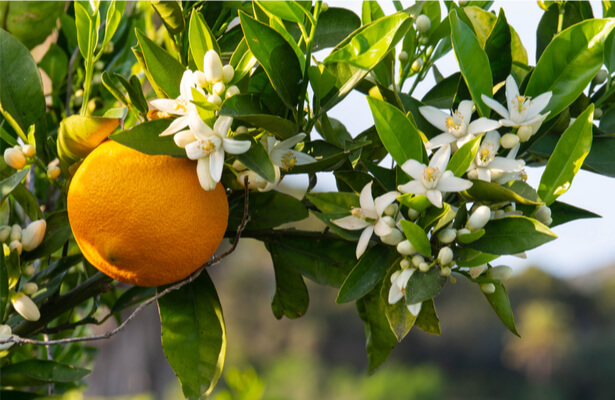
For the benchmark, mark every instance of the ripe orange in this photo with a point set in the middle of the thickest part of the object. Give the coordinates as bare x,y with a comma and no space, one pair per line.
143,219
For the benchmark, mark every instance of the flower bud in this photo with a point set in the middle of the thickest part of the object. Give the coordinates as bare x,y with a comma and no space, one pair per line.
405,248
447,236
524,133
199,78
25,307
28,150
28,270
212,66
395,275
479,218
600,77
424,40
476,271
228,72
5,233
392,238
5,333
463,3
543,214
445,271
424,267
413,214
214,99
389,221
33,234
183,138
231,91
445,255
391,209
598,113
501,272
423,23
473,174
417,260
487,288
404,264
16,245
219,88
499,214
463,231
53,171
241,129
324,7
14,158
417,64
30,288
509,140
15,233
403,56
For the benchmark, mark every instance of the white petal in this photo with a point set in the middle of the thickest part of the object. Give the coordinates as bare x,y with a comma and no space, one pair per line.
463,140
484,174
381,202
184,138
453,184
537,119
166,105
495,106
512,91
440,140
186,83
413,168
538,104
381,228
351,223
415,187
395,294
233,146
194,151
505,165
440,159
404,277
216,165
212,66
177,125
415,309
365,198
202,171
435,197
465,108
482,125
476,271
200,129
302,158
508,122
434,116
290,142
222,125
364,240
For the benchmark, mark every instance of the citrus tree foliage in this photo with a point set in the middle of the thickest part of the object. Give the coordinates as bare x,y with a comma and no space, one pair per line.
434,191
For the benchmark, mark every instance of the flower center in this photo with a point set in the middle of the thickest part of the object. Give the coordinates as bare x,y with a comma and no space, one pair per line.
430,177
289,160
209,146
456,125
359,213
181,104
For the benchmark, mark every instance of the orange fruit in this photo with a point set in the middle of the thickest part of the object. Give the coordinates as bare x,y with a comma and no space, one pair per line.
143,219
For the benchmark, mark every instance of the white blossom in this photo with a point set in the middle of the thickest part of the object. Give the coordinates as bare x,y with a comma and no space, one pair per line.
181,106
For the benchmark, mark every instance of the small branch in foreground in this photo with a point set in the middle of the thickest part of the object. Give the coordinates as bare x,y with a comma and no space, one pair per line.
107,335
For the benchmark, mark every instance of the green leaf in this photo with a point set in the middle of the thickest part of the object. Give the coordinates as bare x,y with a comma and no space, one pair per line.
194,335
291,298
600,158
171,14
380,340
563,212
276,56
57,267
493,192
569,63
112,21
325,261
287,209
512,235
443,93
27,201
287,10
473,63
334,202
246,107
368,45
399,317
367,274
133,296
30,22
87,29
498,48
472,258
424,285
463,157
398,135
328,157
500,303
201,39
428,320
13,268
334,25
7,185
55,64
165,70
56,234
242,61
567,158
417,236
609,52
42,371
4,287
257,159
22,101
145,138
471,237
79,135
134,90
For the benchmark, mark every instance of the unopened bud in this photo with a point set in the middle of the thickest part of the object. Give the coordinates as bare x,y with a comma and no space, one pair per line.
29,151
231,91
15,233
214,99
389,221
417,260
33,234
183,138
28,270
479,218
417,64
423,23
413,214
405,248
391,209
324,7
463,231
473,174
509,140
424,267
16,245
241,129
219,88
403,56
499,214
598,113
228,72
476,271
25,307
53,171
30,288
543,214
404,264
445,271
14,158
600,77
5,333
463,3
212,66
447,236
199,78
487,288
5,233
392,238
524,133
501,272
445,255
424,40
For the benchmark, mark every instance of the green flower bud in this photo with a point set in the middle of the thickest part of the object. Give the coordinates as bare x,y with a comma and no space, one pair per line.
445,255
501,272
5,233
600,77
487,288
30,288
227,73
424,267
423,23
403,56
404,264
445,271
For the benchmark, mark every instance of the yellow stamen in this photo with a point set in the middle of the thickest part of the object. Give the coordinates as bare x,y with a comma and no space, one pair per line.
289,160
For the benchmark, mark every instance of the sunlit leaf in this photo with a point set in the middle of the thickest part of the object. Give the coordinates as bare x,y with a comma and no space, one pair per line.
417,236
146,138
201,39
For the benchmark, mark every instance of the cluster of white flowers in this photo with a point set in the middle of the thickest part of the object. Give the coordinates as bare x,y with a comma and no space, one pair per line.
15,238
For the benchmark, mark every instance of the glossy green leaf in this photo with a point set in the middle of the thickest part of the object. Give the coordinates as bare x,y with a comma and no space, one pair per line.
473,63
257,159
4,287
13,268
493,192
79,135
246,107
380,340
399,317
563,212
170,12
276,56
27,201
58,267
327,218
287,209
569,63
87,29
512,235
472,258
134,90
242,61
471,237
201,39
567,158
500,303
370,11
417,236
287,10
609,52
131,297
112,21
145,138
368,45
328,157
600,158
291,297
21,93
334,202
401,139
434,215
334,25
463,157
428,320
443,93
498,48
41,371
194,335
367,274
7,185
424,285
165,70
56,234
55,64
30,22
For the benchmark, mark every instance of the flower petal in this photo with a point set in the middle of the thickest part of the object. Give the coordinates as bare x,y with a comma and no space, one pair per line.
538,104
404,277
465,108
435,197
365,199
440,158
222,125
415,309
177,125
495,106
381,202
194,150
290,142
482,125
184,138
351,223
484,174
415,187
434,116
505,165
202,171
200,129
453,184
166,105
364,240
512,90
302,158
186,83
381,228
413,168
233,146
395,294
440,140
216,164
